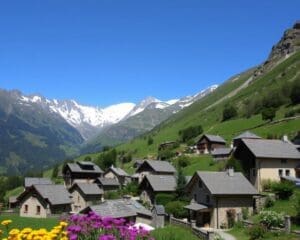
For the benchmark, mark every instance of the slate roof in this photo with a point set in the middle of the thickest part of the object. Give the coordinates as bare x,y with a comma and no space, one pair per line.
108,181
29,181
76,168
118,208
160,166
196,206
55,194
220,183
118,171
246,135
13,199
265,148
162,183
214,138
221,151
88,188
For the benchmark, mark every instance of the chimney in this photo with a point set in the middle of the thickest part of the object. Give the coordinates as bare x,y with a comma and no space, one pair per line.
230,172
285,138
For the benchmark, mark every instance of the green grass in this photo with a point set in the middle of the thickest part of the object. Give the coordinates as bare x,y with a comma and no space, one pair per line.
173,233
14,192
241,234
34,223
202,163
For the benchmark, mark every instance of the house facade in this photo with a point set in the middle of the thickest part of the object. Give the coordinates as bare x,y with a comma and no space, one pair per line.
152,185
84,172
108,184
154,167
215,194
264,159
119,174
220,154
42,201
207,143
84,195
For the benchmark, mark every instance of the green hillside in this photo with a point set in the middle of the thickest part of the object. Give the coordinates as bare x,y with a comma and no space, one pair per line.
208,111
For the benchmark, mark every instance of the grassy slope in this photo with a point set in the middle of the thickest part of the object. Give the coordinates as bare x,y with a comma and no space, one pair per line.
173,233
14,192
210,119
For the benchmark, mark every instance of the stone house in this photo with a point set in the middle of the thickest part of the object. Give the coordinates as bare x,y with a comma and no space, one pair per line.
264,159
126,208
13,202
42,201
167,145
80,172
119,174
215,194
108,184
85,194
155,167
207,143
244,135
29,181
151,185
220,154
158,216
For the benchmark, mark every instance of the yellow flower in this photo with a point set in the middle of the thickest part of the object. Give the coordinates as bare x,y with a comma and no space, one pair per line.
63,224
6,222
14,232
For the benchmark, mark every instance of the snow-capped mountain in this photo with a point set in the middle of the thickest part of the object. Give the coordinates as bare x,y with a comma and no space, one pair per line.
142,118
89,120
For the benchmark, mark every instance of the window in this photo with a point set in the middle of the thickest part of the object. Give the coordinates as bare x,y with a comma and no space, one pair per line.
207,199
253,172
200,184
38,210
283,161
280,171
26,208
287,172
195,197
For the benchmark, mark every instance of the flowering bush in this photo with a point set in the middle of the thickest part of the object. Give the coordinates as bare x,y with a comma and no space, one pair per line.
79,227
271,219
58,232
94,227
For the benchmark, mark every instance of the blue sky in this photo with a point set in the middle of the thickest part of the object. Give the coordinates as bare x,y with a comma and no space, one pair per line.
104,52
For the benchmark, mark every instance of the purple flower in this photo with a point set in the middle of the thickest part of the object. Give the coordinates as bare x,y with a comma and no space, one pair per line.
107,237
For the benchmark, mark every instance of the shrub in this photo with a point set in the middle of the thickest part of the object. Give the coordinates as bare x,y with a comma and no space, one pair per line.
296,204
166,154
283,189
245,213
257,232
231,214
269,202
229,112
183,161
268,113
235,164
131,188
177,209
164,198
150,140
112,195
295,93
267,185
190,133
271,219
